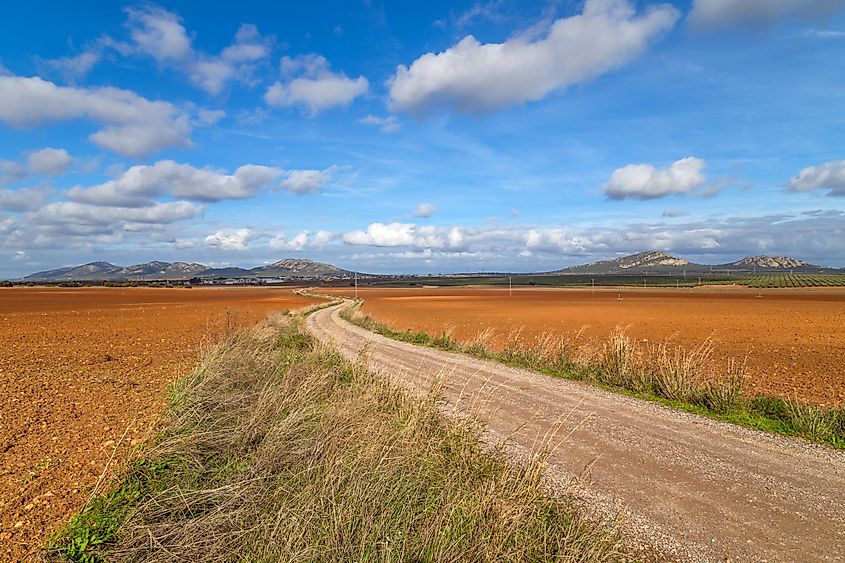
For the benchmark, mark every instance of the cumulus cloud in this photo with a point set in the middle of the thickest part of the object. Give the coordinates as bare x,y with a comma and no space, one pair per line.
230,239
387,124
315,87
296,244
477,77
43,162
644,181
759,13
160,34
306,181
207,117
85,214
424,210
48,161
73,68
828,176
132,125
22,199
140,185
406,234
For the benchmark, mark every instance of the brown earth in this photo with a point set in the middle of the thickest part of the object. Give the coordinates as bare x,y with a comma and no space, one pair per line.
794,338
81,366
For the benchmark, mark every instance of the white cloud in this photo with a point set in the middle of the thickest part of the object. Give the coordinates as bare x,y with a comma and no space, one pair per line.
139,185
759,13
85,214
160,34
229,239
474,77
317,87
306,181
828,176
406,234
132,125
387,124
22,199
73,68
48,161
297,243
322,238
207,117
43,162
425,210
644,181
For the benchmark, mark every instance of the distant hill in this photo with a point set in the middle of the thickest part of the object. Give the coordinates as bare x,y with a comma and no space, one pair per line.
294,267
156,270
654,262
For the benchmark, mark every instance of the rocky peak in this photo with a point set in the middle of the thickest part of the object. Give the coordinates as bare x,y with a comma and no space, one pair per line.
771,262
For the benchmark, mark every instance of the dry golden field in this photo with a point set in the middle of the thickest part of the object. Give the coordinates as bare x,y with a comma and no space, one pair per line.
794,338
80,367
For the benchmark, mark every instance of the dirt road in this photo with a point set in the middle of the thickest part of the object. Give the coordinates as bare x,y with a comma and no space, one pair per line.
692,488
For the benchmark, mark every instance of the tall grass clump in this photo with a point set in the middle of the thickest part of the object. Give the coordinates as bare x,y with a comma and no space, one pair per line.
277,449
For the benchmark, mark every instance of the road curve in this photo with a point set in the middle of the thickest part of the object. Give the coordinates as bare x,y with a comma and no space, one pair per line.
711,490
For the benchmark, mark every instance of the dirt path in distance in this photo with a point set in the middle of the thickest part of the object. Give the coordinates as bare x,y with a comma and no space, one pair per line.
689,487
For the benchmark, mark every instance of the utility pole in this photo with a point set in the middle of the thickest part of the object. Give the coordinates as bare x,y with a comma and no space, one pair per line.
356,285
594,285
510,286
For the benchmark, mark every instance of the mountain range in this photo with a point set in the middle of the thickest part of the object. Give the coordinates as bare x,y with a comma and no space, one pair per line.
652,262
104,271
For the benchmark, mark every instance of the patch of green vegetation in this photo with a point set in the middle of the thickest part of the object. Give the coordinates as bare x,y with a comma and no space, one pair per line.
793,280
86,535
671,378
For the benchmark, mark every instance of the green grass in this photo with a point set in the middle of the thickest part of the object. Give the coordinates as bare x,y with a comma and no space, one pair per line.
681,379
276,448
793,280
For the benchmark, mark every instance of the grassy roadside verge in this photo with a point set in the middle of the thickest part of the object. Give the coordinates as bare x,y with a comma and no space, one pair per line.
682,379
277,449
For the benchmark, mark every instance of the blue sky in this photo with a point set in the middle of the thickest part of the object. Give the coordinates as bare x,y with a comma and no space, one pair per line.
454,136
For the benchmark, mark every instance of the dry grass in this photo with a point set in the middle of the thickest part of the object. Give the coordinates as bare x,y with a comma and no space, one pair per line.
671,372
279,450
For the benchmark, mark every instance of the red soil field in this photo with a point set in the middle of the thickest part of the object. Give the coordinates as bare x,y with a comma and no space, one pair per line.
794,339
81,366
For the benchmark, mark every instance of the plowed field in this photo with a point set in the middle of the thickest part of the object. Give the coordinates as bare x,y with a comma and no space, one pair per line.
794,338
79,368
